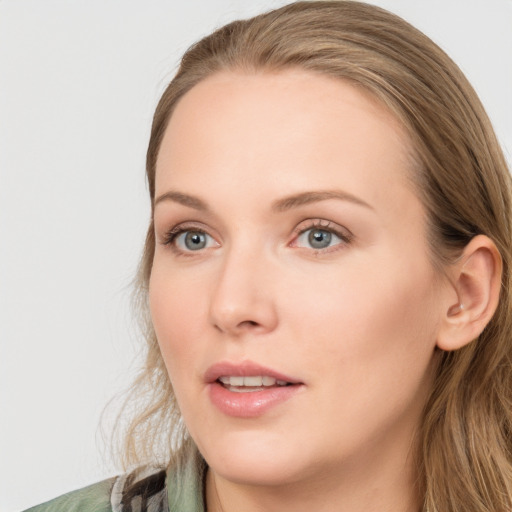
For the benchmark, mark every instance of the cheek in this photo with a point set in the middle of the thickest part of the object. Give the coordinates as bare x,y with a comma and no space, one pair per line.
369,322
175,304
371,340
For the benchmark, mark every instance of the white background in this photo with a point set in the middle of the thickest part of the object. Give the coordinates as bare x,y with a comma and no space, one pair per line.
79,80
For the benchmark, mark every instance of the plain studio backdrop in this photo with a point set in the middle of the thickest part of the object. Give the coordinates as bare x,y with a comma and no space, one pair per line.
79,80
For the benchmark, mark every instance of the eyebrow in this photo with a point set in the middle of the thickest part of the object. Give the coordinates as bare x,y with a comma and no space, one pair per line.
304,198
281,205
184,199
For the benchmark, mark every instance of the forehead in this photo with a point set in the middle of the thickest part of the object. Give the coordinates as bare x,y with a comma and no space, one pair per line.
245,128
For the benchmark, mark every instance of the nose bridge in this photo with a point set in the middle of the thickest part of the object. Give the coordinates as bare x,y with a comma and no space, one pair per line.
242,298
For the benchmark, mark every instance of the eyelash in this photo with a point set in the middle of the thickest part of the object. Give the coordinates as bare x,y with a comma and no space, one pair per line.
171,236
319,224
324,225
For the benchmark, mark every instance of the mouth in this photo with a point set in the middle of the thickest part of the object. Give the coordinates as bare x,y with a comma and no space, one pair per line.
250,383
247,375
247,389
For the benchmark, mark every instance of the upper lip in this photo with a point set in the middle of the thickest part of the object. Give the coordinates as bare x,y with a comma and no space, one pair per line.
244,369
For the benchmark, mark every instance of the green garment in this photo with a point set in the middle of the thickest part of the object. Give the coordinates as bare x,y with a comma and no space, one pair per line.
142,490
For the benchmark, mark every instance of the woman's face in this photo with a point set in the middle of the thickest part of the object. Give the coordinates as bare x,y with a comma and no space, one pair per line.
291,247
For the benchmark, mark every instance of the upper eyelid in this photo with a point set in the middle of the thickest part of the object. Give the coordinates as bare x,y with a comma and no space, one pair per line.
168,236
189,226
323,224
313,223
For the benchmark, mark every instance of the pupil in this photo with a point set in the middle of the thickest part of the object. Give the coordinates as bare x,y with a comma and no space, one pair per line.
195,241
319,239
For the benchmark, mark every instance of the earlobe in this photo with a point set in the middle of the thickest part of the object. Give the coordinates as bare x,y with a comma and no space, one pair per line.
476,281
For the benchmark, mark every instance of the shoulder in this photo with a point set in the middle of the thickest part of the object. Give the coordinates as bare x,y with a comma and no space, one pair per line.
93,498
140,490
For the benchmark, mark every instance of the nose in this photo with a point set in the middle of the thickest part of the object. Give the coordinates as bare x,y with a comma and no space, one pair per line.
243,300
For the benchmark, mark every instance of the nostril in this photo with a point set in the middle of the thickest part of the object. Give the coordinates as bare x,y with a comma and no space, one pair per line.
240,327
249,323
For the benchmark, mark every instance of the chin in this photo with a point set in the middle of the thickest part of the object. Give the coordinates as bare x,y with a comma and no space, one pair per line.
256,461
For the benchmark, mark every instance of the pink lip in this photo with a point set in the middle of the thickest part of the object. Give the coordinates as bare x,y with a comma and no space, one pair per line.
249,404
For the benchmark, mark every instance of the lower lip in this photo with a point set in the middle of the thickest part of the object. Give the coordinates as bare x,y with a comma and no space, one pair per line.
249,404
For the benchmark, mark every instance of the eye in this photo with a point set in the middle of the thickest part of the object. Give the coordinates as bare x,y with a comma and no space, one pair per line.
189,240
320,237
192,240
317,238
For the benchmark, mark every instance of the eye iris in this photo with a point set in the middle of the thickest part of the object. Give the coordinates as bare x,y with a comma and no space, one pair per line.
318,238
195,240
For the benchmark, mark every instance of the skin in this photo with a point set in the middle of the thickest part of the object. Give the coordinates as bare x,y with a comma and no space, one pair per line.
356,322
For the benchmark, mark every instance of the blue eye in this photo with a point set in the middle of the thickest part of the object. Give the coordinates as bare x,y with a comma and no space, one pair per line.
318,238
193,240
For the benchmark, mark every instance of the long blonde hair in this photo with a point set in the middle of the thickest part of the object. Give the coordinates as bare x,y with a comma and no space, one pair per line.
465,460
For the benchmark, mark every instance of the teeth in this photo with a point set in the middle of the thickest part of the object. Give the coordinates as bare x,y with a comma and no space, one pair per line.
268,381
251,381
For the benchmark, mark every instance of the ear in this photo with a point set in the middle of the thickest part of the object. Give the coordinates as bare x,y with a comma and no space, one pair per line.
475,289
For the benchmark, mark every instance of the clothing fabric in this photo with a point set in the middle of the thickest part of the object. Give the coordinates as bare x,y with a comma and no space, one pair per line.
142,490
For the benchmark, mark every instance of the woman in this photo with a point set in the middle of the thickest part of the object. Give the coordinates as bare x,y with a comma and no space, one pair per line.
326,278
